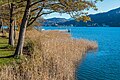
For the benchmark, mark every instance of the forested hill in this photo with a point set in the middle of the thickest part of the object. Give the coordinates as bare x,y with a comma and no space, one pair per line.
54,21
110,18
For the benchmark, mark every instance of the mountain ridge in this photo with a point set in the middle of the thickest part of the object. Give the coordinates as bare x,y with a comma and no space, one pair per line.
110,18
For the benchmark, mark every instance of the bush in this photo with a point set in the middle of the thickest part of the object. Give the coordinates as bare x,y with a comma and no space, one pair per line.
29,47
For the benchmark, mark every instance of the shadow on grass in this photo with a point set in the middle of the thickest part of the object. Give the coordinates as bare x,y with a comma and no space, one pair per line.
10,56
7,47
3,47
5,37
2,43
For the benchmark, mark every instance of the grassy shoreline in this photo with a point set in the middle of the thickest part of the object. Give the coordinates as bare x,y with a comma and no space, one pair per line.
50,55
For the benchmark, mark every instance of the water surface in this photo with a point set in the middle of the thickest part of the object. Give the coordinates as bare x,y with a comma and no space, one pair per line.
105,63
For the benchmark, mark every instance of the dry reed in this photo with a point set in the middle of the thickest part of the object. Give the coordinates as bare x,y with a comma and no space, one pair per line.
55,57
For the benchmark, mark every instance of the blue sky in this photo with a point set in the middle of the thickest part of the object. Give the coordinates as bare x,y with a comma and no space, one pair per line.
104,6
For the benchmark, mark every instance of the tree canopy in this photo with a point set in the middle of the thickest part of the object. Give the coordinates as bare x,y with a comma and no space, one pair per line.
28,11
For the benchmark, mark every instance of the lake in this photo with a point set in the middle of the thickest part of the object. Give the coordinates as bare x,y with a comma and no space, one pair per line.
104,64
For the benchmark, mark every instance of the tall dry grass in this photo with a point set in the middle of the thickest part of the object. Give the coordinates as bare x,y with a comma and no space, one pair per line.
54,57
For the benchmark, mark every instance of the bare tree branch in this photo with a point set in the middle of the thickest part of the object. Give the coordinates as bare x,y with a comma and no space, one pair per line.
36,16
35,9
36,2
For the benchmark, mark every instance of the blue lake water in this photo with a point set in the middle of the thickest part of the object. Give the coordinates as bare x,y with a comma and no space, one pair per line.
104,64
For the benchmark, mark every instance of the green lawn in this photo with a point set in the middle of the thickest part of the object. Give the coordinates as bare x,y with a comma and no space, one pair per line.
5,52
3,40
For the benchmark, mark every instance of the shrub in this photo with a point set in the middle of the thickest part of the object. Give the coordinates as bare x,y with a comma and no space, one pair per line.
29,47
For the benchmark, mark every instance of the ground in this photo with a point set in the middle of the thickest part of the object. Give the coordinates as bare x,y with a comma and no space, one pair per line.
52,55
4,51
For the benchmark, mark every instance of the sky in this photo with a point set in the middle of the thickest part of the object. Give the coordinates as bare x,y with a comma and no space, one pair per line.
104,6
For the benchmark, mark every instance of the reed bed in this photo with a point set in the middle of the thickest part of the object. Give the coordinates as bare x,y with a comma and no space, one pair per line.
53,55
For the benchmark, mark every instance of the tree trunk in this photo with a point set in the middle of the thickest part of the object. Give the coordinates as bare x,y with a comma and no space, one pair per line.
2,26
20,43
15,29
11,29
